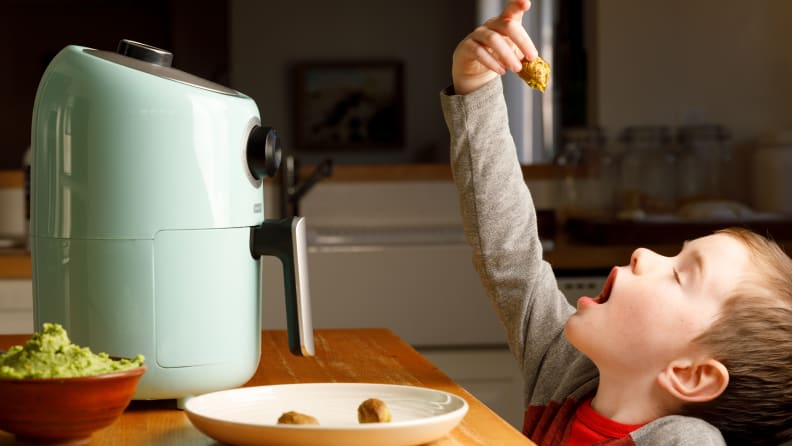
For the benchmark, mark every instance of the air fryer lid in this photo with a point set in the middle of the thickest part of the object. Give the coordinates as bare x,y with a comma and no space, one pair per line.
156,61
263,147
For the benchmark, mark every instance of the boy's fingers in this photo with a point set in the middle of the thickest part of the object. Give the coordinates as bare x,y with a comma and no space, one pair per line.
483,55
514,9
488,60
498,46
514,32
524,43
509,23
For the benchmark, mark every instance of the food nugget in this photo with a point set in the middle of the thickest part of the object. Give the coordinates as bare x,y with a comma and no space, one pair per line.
373,410
292,417
535,73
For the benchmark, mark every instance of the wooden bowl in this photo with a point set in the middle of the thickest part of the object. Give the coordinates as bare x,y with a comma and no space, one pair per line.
64,410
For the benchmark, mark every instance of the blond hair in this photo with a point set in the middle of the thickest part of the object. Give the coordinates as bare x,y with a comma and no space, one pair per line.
752,337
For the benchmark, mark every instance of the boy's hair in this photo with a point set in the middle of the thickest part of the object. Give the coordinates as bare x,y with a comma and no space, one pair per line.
752,337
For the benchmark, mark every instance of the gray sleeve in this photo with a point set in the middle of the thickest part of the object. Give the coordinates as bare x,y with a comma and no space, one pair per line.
677,430
500,225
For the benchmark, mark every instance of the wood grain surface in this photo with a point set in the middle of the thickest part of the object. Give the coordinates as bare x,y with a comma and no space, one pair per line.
373,355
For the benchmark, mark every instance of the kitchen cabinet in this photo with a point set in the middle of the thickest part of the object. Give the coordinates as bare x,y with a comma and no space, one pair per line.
16,292
16,306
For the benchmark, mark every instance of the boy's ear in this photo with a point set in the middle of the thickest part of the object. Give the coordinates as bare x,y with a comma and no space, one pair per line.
694,381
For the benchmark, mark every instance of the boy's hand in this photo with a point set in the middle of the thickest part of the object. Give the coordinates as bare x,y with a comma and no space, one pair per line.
490,50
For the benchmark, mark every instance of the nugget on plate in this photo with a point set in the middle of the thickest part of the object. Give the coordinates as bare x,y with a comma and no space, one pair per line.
292,417
373,410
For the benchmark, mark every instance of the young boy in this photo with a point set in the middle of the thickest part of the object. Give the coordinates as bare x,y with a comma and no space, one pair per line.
682,350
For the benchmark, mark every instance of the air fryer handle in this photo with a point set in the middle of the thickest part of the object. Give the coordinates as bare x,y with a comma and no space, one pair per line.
286,240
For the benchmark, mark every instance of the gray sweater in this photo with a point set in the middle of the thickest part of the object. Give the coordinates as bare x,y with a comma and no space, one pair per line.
500,225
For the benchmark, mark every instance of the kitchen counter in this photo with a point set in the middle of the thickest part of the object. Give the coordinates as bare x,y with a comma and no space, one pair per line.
359,355
565,254
421,172
15,263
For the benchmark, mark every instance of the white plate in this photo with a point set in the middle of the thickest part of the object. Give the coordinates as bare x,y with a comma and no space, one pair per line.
248,415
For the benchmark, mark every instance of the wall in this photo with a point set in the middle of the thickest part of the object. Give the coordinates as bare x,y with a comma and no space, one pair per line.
268,37
679,61
33,31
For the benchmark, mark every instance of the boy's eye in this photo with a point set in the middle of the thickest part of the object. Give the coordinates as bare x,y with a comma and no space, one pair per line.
676,276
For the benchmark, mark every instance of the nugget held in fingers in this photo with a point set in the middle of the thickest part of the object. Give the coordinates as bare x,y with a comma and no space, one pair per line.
292,417
535,73
373,411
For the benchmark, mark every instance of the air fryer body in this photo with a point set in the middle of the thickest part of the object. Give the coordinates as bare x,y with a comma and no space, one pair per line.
142,207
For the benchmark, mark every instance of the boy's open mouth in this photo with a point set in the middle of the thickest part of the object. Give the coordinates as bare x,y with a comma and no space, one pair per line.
604,295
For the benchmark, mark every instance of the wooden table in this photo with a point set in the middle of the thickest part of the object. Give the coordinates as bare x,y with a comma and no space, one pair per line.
356,355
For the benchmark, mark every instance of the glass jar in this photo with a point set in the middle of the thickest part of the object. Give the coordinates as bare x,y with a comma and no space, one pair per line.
704,163
587,170
647,171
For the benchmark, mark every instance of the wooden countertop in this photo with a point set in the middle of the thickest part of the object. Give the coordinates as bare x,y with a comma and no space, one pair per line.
357,355
15,263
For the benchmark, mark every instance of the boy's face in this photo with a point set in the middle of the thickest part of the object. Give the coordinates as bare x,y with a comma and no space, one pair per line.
651,310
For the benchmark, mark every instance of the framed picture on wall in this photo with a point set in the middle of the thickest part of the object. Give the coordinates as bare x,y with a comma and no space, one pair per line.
342,106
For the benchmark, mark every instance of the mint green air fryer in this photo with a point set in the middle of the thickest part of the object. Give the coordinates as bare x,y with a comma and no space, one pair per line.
148,219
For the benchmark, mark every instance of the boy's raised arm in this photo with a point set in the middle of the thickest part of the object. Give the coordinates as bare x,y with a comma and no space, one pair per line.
497,208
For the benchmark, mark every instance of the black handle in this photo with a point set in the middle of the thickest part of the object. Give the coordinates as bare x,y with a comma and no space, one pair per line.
286,240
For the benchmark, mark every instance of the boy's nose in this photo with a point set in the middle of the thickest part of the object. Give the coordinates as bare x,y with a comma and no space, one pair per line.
642,259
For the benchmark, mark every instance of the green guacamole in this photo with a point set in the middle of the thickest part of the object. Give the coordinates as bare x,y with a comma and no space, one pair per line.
50,354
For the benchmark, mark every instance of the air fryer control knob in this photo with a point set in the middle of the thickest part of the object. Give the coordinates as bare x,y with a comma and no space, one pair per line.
263,152
146,53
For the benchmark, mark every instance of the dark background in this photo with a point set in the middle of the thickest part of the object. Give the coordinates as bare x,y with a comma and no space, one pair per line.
33,31
199,33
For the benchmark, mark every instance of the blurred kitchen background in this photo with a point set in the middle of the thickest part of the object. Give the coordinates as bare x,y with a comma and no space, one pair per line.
663,121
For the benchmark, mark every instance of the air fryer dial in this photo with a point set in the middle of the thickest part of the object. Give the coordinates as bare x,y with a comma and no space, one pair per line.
263,152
